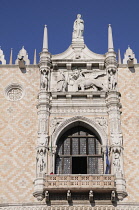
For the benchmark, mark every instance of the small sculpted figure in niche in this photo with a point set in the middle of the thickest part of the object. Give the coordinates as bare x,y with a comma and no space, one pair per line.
112,79
44,79
91,195
69,195
116,162
78,27
113,196
61,83
40,161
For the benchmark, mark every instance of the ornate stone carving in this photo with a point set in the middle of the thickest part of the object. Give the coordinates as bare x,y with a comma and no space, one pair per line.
42,140
89,122
117,140
41,163
69,196
112,79
42,125
14,92
22,55
79,80
111,61
61,82
47,196
116,162
54,124
91,196
113,196
81,110
78,27
44,79
102,122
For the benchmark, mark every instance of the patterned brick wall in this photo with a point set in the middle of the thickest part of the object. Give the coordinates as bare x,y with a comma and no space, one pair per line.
18,133
129,87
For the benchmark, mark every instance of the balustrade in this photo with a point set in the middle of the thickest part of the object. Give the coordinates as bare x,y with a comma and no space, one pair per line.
64,182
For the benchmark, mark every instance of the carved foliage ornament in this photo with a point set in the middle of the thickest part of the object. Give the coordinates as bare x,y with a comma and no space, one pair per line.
111,61
55,123
102,122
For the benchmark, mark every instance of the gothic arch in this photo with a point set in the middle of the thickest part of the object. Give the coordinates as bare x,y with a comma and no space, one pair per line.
83,121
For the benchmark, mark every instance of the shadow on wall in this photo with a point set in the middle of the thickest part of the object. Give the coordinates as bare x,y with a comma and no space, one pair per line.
132,69
23,70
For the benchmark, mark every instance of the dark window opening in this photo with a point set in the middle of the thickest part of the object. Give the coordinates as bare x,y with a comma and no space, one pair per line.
79,152
79,165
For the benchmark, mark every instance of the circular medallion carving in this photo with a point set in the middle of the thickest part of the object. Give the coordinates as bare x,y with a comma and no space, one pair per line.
14,92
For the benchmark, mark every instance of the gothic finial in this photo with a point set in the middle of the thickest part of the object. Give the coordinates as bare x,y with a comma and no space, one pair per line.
35,59
110,39
119,57
2,57
22,55
129,57
11,57
45,39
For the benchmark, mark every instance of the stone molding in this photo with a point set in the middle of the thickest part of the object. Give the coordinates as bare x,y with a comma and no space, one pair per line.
86,122
44,207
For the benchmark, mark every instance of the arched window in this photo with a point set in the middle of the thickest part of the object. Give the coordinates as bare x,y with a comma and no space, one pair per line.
79,152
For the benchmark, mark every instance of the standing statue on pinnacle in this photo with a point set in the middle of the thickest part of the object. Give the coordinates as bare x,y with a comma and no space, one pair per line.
78,27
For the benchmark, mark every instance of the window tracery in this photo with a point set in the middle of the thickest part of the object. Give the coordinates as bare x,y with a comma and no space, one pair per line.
79,151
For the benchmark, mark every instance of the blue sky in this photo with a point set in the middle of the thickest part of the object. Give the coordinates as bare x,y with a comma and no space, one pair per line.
22,24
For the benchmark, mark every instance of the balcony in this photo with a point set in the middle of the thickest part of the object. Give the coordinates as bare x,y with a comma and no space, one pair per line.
82,183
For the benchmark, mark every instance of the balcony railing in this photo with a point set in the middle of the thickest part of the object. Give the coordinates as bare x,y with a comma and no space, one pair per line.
60,182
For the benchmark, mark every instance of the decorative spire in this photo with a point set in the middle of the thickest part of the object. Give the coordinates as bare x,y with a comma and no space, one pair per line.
119,57
45,40
35,59
11,57
110,39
